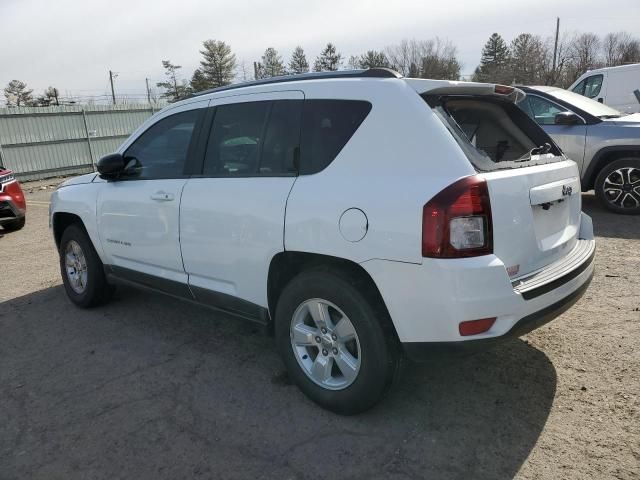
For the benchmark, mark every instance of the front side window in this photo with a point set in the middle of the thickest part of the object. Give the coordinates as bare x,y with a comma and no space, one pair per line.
579,88
327,126
592,86
544,112
161,151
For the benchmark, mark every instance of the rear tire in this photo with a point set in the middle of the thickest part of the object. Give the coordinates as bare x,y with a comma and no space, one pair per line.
81,269
617,186
14,225
368,356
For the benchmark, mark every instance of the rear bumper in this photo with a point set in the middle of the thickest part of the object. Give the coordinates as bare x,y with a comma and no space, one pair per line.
428,301
423,351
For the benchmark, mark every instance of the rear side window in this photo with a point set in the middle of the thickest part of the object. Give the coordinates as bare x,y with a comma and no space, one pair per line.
254,139
327,126
236,138
494,134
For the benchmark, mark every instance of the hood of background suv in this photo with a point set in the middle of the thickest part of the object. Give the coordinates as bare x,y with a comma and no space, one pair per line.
626,120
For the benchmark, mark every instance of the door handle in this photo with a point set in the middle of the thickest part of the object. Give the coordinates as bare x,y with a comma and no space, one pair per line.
162,196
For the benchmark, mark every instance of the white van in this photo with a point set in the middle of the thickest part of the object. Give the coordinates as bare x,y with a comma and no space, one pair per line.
617,87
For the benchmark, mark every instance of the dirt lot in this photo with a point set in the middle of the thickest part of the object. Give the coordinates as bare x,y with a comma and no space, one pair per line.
149,387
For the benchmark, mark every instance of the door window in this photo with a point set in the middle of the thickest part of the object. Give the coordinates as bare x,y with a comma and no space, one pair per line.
161,151
592,86
544,112
589,87
254,139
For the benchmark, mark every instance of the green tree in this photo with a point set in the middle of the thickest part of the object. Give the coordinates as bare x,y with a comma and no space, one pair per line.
298,62
372,59
494,63
218,64
17,94
198,81
271,65
528,59
329,59
174,89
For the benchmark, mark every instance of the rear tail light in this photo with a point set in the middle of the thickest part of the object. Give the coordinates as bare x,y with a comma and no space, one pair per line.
456,223
474,327
503,90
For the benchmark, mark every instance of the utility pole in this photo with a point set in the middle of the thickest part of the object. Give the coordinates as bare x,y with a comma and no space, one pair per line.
148,91
255,70
555,45
113,94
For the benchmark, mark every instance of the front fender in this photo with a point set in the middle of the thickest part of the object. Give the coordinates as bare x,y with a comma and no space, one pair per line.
79,200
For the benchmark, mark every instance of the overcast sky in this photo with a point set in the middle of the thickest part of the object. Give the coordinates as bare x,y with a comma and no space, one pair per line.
71,44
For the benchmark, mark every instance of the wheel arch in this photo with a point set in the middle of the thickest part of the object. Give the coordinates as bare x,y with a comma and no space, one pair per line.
286,265
603,157
61,221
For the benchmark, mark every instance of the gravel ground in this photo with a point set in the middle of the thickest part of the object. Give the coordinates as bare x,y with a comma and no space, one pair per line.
150,387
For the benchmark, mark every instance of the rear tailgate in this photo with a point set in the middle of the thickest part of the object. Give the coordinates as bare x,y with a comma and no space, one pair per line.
536,214
534,190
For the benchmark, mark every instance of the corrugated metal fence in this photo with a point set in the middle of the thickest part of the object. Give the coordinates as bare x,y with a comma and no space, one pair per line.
42,142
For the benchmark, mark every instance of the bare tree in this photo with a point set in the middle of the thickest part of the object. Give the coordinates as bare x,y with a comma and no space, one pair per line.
434,58
584,52
620,48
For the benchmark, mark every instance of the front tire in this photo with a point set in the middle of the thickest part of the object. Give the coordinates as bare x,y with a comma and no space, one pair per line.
332,341
82,271
617,186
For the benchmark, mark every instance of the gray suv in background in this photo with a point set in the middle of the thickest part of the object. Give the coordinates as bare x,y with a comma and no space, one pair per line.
604,142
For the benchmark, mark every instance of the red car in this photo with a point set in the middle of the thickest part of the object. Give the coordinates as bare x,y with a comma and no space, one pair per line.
13,205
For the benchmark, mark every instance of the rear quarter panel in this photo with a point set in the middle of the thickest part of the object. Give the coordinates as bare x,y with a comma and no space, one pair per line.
399,158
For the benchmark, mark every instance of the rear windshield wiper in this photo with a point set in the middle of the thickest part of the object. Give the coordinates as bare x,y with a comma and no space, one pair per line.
541,150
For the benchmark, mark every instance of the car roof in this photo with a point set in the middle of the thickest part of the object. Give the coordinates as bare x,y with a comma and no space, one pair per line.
366,73
630,66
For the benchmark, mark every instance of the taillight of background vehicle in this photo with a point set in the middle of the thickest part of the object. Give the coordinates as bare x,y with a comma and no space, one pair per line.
456,223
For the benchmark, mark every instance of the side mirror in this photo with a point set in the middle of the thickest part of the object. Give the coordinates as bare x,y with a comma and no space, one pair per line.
111,166
567,118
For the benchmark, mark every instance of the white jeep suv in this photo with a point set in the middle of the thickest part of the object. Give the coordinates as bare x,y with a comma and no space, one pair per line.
360,215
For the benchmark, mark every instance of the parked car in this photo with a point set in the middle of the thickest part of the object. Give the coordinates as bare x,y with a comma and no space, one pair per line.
13,206
603,142
360,215
617,87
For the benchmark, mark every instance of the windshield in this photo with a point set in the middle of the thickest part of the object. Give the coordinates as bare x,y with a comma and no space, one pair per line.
596,109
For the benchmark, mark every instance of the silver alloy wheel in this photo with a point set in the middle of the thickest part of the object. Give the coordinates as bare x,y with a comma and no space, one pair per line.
622,187
325,344
76,267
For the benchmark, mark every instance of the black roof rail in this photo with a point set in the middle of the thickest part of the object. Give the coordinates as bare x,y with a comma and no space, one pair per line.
369,72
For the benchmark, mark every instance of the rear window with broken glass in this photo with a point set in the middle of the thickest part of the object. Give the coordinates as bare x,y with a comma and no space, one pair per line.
494,134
